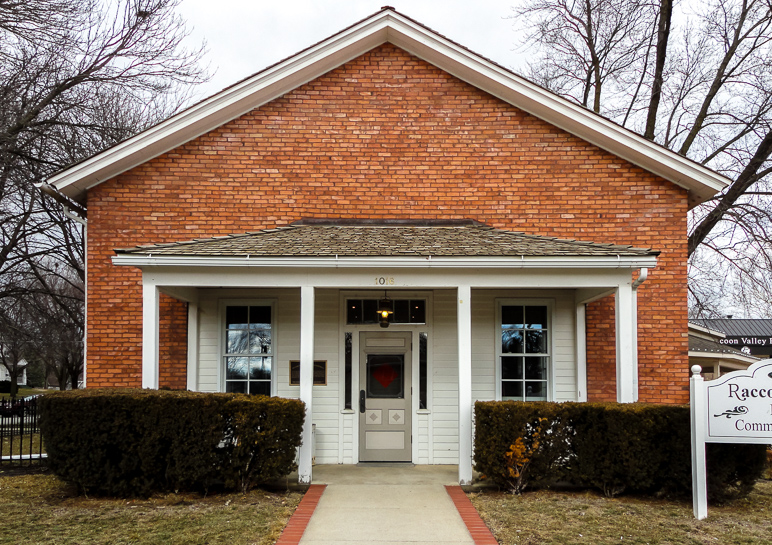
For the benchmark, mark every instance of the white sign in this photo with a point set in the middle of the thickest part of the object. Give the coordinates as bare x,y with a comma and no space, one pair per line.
740,404
736,408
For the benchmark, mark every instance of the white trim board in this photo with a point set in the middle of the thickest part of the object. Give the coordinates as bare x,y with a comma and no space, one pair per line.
389,26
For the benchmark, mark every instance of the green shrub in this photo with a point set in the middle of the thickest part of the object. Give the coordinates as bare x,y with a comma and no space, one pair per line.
498,425
136,442
641,448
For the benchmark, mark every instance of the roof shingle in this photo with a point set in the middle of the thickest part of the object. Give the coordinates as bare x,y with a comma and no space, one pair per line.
387,239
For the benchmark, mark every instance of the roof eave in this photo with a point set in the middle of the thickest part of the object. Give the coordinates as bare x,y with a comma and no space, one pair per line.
517,262
388,26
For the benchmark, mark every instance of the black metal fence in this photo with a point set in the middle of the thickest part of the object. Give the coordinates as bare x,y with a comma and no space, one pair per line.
20,432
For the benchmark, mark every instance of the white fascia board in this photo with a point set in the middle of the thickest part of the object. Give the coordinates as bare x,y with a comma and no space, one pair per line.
388,26
724,357
219,109
707,333
523,262
701,182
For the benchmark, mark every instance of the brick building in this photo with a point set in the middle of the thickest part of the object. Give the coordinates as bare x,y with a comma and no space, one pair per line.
521,247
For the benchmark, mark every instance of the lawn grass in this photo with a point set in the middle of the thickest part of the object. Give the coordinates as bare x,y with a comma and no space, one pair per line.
25,392
565,518
40,509
21,444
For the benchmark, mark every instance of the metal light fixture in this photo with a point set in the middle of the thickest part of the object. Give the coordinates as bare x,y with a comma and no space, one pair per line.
385,310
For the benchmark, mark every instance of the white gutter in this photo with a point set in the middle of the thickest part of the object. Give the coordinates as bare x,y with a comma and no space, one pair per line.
518,262
641,278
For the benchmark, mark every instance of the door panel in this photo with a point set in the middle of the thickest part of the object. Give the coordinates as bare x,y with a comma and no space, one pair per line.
385,397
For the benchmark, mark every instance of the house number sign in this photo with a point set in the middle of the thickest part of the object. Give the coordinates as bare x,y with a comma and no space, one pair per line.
736,408
384,281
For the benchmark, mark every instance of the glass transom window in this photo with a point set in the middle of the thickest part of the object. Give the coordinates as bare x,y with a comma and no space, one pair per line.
525,357
248,349
406,311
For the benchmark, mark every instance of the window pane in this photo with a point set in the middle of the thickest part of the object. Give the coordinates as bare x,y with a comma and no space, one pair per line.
535,391
536,317
385,376
512,368
401,311
417,311
536,368
262,388
370,311
511,317
236,387
260,368
236,317
236,342
512,341
354,311
260,341
260,317
347,386
536,342
423,362
236,368
512,390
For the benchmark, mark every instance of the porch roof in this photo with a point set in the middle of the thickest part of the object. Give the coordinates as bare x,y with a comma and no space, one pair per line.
391,239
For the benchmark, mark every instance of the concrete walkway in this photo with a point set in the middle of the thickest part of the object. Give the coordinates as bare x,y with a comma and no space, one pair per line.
385,505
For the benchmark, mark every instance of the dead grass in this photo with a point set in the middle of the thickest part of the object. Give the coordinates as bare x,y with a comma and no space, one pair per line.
40,509
21,444
547,517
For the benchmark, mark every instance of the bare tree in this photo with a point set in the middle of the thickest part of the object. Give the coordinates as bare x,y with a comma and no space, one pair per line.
76,77
699,84
15,347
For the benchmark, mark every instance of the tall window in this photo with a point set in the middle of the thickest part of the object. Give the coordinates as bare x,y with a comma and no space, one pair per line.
248,349
525,355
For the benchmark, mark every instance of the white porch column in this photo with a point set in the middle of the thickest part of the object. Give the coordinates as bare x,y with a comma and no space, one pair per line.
581,352
627,346
464,385
193,347
150,316
306,380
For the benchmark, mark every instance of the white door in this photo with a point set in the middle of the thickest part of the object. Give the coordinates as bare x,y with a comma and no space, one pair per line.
385,398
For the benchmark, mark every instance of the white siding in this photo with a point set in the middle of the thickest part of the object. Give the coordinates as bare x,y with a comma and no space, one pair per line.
326,398
436,429
563,373
444,379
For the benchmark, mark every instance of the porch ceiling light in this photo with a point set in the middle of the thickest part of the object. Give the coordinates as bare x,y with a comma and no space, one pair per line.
385,310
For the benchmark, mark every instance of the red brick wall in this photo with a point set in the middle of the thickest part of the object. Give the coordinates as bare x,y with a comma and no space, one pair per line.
389,136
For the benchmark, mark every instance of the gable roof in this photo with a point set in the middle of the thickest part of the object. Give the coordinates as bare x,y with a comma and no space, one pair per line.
738,327
704,341
395,239
389,26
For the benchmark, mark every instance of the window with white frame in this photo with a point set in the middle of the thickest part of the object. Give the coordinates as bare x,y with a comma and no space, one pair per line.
248,343
524,351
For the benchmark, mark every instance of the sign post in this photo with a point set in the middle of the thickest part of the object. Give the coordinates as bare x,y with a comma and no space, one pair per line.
736,408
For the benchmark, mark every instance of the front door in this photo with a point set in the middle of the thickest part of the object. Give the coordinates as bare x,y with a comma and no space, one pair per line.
385,397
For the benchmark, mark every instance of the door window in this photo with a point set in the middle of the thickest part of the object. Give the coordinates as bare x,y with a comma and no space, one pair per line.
386,376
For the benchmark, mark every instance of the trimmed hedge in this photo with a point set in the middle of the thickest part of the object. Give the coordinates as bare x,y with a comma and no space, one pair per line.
616,448
135,442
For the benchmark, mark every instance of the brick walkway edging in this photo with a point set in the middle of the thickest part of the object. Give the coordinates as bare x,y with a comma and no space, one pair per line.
301,517
480,533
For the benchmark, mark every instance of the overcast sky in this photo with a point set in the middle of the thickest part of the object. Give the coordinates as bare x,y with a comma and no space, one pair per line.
245,36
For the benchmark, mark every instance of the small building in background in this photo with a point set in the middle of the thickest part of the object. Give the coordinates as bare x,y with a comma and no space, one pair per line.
709,349
21,379
750,336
